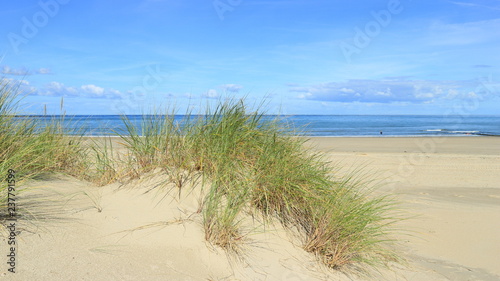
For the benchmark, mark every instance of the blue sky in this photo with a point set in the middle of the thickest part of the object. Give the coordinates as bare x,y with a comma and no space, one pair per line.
302,57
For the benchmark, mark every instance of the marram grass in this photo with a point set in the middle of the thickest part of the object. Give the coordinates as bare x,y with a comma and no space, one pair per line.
32,148
248,163
253,164
29,147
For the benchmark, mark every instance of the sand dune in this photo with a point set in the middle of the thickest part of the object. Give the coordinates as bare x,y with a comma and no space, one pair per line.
451,187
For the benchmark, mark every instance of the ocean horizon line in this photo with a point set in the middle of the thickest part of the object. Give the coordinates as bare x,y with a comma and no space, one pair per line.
308,125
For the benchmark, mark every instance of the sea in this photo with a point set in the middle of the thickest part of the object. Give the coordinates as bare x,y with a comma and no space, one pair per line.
319,125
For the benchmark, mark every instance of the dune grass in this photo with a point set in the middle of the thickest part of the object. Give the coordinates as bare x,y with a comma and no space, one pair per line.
249,164
30,147
33,147
252,164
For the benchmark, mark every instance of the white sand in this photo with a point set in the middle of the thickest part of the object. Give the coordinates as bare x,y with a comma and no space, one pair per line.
451,185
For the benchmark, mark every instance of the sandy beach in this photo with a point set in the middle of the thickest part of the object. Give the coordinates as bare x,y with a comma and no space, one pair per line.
448,187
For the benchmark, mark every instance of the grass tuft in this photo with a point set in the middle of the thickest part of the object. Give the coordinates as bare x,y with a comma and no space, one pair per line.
31,147
249,163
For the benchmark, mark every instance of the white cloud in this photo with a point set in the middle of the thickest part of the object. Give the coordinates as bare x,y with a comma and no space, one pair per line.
11,71
44,71
233,88
7,70
24,85
384,91
57,89
93,90
384,94
211,94
345,90
305,96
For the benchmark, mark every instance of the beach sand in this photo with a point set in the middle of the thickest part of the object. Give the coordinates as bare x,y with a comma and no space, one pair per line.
449,187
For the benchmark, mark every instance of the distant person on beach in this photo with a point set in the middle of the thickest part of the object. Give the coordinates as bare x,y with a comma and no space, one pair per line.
380,132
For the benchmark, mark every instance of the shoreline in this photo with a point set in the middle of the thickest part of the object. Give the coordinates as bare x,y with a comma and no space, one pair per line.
484,145
460,145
